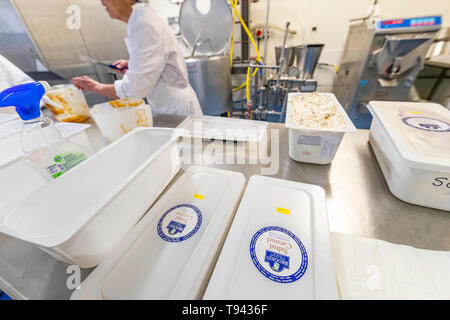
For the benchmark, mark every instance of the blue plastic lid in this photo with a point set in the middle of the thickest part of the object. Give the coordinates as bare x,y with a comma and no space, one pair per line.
26,98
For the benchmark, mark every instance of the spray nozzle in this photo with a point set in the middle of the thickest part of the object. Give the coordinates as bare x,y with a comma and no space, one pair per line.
26,98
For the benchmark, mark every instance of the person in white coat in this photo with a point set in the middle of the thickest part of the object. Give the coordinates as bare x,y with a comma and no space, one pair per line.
156,68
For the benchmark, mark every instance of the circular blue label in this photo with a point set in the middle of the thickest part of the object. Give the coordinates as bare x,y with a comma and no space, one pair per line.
179,223
278,254
427,124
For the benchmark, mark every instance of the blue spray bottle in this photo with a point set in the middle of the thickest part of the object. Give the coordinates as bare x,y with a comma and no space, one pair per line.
43,145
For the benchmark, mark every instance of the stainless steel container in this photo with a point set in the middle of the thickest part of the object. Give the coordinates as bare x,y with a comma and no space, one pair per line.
210,77
289,58
307,59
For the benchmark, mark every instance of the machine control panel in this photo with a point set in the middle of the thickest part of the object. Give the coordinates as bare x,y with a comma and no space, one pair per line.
433,21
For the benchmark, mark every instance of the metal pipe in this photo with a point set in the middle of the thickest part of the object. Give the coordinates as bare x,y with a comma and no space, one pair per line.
282,55
266,32
261,66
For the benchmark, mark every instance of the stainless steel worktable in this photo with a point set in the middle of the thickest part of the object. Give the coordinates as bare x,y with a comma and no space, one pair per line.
359,203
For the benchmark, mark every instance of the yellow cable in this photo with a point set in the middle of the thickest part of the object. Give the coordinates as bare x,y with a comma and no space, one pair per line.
247,87
258,58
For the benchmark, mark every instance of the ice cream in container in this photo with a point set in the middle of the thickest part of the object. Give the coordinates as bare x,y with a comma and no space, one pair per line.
317,124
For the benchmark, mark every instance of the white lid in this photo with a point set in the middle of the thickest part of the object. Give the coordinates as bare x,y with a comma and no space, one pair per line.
171,251
293,105
278,246
208,127
420,131
57,211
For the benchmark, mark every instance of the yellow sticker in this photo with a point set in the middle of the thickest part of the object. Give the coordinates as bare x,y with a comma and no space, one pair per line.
283,210
199,196
417,112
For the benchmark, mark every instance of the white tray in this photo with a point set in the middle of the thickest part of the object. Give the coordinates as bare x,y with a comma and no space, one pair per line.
6,117
10,138
79,217
21,179
278,246
152,263
219,128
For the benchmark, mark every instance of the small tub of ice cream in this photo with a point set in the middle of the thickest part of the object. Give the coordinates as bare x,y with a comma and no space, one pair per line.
317,123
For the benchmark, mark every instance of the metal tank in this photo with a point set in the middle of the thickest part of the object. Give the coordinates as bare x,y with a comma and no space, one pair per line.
207,26
210,77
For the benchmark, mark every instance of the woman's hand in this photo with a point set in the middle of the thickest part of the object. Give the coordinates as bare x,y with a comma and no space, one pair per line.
122,66
86,83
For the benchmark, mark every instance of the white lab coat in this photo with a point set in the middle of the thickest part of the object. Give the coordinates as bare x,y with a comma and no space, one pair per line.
11,75
156,68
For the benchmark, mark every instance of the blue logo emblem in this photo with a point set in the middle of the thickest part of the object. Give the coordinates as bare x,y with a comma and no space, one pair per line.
427,124
179,223
175,227
276,261
278,254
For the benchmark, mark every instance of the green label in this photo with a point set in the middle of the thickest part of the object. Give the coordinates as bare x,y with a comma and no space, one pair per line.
65,162
72,159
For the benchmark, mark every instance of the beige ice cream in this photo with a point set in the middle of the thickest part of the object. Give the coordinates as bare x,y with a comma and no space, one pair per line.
314,111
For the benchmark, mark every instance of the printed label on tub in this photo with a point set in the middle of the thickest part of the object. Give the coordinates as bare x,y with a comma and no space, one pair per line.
179,223
310,140
278,254
427,124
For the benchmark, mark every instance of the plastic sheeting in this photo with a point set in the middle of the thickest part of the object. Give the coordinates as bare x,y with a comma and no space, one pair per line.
376,269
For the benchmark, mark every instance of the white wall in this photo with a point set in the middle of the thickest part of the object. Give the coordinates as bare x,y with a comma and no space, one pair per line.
331,17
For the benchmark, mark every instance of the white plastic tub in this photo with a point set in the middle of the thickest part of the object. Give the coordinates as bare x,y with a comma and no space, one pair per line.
278,246
171,253
314,145
79,217
118,117
411,141
19,179
219,128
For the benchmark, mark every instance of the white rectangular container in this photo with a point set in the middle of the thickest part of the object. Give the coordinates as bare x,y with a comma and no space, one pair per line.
313,145
6,117
79,217
219,128
411,141
19,179
278,246
171,252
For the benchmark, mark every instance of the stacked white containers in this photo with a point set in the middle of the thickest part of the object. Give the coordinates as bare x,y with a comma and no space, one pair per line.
278,246
411,141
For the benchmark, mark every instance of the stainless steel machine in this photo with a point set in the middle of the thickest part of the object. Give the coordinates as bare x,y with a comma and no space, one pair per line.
208,31
381,62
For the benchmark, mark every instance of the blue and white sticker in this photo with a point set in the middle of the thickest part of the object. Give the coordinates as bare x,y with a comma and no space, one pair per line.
427,124
179,223
278,254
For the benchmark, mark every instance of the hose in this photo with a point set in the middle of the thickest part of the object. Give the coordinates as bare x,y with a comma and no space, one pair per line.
258,58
